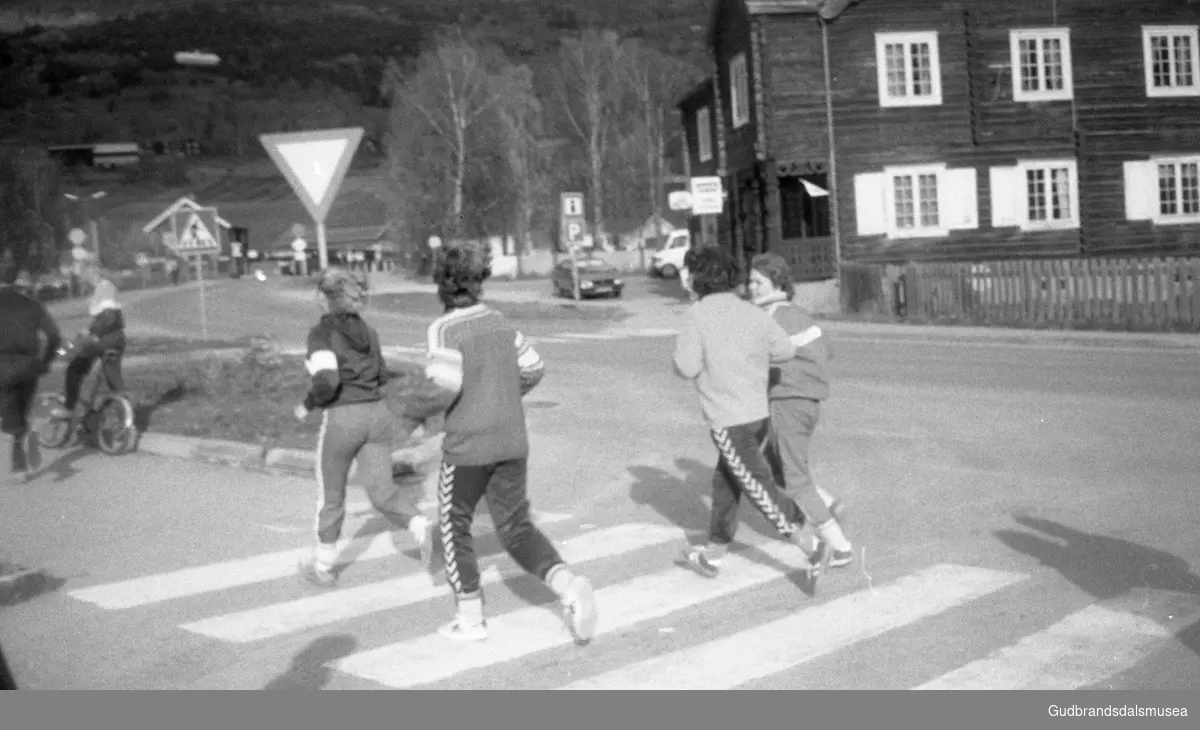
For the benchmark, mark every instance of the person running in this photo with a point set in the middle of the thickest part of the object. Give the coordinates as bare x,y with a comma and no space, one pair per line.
480,368
725,348
797,389
103,340
29,342
349,376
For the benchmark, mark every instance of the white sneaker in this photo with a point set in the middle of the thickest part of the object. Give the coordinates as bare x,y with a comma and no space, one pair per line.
579,609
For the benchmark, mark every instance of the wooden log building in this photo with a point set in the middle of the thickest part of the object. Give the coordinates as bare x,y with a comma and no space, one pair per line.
888,131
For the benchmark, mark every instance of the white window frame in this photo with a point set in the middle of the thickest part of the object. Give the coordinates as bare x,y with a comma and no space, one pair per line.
889,195
739,91
703,134
1159,217
882,41
1041,34
1191,32
1028,223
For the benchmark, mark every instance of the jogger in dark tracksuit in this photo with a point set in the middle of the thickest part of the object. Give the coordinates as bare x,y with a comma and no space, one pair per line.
348,379
479,369
29,342
726,348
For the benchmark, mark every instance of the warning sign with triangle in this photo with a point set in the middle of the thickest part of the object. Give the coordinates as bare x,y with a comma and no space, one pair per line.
195,231
315,163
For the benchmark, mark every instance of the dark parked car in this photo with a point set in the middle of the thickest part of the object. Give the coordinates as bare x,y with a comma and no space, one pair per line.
597,278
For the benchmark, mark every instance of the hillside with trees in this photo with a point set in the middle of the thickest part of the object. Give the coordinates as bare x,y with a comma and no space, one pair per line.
481,111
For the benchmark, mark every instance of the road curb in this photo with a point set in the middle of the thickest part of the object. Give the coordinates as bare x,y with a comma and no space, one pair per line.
292,461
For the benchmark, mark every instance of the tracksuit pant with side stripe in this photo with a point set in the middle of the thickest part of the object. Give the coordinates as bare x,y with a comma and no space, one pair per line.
503,484
361,431
743,469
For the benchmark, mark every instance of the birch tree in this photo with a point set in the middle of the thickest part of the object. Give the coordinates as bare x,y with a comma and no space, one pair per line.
451,91
587,85
519,118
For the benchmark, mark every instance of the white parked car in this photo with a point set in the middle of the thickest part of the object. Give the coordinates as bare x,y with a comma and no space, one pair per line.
668,260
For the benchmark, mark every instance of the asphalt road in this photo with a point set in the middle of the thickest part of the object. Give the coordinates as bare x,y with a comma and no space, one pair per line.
1024,517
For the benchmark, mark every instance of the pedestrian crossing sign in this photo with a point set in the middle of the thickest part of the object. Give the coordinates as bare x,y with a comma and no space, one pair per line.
195,231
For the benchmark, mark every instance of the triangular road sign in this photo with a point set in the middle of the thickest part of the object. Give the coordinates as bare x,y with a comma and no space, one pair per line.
194,235
315,163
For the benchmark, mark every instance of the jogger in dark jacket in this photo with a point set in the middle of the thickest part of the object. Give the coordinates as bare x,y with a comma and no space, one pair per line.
29,342
349,375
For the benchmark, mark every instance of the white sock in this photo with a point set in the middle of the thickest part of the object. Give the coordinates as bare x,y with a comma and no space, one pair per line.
826,497
831,532
417,527
559,578
326,554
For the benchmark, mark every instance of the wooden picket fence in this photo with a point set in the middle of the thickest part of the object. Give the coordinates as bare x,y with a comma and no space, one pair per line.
1160,294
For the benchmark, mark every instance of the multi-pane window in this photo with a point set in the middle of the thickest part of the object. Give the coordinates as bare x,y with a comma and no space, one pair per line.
1041,63
915,201
1179,188
909,72
1049,197
1171,60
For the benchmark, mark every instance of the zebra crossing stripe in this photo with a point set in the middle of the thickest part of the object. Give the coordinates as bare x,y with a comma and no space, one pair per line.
1084,648
588,336
151,589
517,634
777,646
348,603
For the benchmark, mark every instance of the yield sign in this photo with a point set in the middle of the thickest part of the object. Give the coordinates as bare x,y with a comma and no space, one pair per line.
314,163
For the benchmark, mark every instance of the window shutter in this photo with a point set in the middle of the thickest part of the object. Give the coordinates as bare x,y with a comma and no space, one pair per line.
1007,196
1141,190
959,199
870,205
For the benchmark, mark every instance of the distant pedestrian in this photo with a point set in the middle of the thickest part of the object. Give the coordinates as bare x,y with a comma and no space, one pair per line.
349,376
726,348
797,388
29,342
480,367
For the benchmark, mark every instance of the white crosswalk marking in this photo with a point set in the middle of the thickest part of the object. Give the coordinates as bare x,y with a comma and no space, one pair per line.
1081,650
779,645
285,618
1067,651
231,574
520,633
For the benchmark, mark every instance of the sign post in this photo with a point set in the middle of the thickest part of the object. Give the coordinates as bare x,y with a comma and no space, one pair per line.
193,237
571,230
315,164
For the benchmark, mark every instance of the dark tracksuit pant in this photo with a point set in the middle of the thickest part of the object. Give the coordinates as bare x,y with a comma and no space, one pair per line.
743,469
362,431
503,484
81,365
18,388
793,421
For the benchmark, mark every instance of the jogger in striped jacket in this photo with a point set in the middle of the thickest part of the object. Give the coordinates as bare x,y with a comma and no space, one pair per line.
480,368
726,348
797,388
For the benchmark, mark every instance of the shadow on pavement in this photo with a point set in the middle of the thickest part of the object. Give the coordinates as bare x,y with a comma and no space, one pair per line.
308,669
667,289
678,499
1105,567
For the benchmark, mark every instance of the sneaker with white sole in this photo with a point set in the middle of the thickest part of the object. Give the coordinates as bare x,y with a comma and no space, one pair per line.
315,574
579,609
841,558
696,558
464,629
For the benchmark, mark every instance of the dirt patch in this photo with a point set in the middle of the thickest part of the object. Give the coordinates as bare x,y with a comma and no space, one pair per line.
246,396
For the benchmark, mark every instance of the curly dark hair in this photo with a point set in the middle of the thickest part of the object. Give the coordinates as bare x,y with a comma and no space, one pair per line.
459,272
345,290
776,269
713,271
